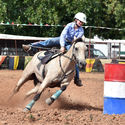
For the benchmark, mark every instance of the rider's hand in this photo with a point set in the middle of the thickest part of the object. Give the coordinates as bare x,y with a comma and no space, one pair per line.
62,49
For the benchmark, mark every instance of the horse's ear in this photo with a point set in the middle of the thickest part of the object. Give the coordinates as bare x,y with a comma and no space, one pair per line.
78,40
83,38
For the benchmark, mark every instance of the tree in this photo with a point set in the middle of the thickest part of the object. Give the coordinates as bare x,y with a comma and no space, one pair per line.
100,13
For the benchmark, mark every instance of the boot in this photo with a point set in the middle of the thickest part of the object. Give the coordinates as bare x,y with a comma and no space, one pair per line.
26,47
77,81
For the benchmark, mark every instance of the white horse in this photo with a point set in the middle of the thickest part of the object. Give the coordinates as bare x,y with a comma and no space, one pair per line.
58,72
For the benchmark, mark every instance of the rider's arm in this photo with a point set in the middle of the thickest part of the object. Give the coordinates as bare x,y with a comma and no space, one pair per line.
62,49
63,35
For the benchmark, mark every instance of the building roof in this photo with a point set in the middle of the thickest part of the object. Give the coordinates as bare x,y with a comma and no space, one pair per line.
18,37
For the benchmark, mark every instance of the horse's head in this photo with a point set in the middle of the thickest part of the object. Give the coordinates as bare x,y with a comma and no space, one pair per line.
79,52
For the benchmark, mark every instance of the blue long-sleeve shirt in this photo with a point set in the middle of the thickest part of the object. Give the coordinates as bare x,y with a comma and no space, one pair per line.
69,33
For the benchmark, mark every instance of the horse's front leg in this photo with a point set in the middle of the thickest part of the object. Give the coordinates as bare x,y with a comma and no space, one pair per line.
33,91
56,95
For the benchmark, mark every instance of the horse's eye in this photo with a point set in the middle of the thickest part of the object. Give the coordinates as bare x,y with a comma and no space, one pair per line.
76,49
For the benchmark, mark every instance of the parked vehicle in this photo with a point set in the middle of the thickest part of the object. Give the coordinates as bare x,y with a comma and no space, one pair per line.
95,53
121,55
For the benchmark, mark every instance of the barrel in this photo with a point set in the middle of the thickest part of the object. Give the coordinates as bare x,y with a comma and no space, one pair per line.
114,89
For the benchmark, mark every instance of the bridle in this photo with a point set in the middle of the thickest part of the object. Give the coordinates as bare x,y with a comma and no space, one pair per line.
73,58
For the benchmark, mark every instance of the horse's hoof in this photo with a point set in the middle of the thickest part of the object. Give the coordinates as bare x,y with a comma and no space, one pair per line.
26,110
49,101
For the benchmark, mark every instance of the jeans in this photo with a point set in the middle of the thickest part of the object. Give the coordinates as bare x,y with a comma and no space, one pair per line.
54,42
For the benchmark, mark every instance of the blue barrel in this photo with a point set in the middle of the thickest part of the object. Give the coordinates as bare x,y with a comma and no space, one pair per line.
114,89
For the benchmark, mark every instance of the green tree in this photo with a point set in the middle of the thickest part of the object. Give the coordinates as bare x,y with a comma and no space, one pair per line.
100,13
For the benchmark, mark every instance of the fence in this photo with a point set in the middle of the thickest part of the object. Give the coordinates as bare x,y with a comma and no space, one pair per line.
20,62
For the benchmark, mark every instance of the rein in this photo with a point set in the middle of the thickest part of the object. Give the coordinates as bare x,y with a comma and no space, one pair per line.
71,59
64,74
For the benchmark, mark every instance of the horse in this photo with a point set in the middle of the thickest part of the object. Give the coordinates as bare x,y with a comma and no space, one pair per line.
57,72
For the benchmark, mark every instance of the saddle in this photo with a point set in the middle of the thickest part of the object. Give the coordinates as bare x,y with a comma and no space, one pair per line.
48,55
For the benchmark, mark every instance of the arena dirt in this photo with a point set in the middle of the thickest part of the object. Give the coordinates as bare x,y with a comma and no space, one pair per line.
76,106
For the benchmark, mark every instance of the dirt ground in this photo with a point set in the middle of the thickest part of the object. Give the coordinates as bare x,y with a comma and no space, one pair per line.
76,106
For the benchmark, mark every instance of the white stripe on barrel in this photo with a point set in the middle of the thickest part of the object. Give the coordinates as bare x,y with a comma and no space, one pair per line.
114,89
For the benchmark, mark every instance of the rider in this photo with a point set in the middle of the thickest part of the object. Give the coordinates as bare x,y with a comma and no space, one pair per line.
71,31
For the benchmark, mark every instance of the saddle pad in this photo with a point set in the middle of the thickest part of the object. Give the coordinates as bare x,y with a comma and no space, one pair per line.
46,57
